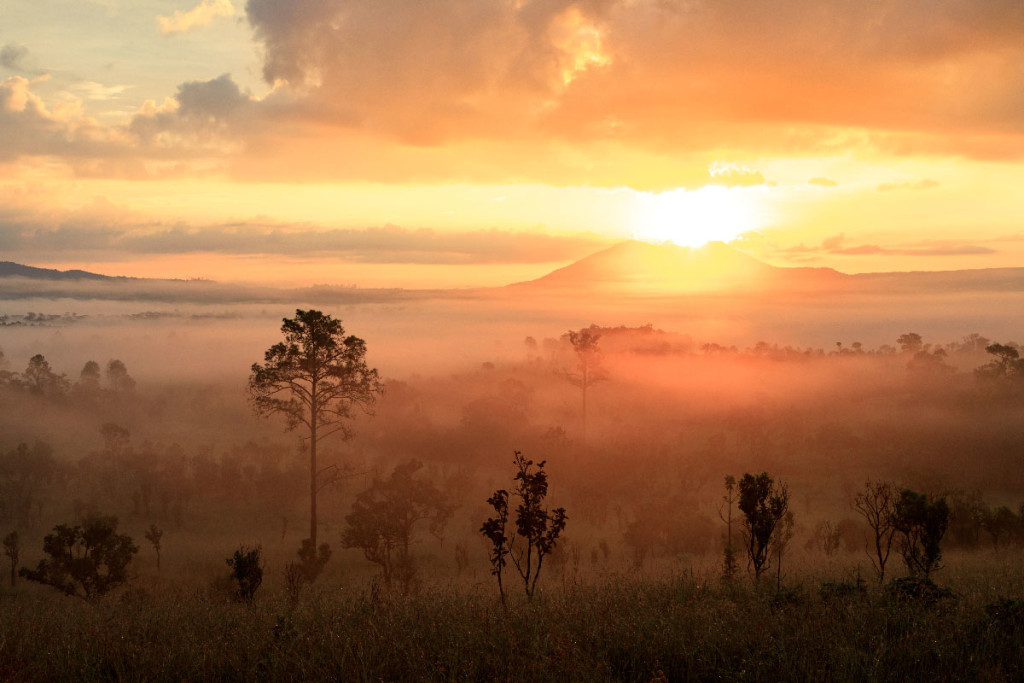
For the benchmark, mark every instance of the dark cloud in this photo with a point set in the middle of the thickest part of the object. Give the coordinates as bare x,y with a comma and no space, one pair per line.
12,57
211,110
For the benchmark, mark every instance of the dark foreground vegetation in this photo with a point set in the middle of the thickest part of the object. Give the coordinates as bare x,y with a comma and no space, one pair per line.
683,627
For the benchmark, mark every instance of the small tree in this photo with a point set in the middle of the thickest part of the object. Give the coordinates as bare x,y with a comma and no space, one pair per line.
310,565
12,549
877,505
922,522
153,535
763,505
538,527
780,541
383,518
588,364
729,560
85,561
999,523
247,571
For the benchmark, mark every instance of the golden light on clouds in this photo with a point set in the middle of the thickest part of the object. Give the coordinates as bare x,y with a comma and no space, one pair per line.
892,124
581,42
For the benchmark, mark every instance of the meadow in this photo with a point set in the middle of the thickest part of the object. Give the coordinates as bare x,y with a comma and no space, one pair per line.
677,626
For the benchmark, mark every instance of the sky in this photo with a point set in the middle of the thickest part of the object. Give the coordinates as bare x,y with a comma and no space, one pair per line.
454,143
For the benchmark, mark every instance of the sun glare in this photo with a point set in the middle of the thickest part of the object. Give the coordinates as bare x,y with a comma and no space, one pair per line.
695,217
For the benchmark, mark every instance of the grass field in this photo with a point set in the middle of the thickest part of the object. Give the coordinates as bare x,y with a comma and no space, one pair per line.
680,626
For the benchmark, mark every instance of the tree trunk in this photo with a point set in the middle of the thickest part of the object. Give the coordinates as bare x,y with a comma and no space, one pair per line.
584,385
312,468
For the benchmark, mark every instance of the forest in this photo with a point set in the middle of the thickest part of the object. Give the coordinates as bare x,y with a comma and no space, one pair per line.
612,503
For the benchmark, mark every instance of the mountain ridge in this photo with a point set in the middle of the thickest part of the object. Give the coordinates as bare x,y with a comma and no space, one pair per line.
12,269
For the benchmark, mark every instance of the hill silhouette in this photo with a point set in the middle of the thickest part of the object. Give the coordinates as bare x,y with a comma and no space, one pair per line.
11,269
635,265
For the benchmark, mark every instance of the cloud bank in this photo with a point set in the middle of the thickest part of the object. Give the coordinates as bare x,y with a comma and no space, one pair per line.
608,92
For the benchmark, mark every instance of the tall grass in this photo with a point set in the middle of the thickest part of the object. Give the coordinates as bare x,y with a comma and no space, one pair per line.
624,628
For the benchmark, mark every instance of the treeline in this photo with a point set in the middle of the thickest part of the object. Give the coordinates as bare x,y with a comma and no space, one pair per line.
40,379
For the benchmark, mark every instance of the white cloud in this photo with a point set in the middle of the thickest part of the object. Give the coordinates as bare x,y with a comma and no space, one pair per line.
200,15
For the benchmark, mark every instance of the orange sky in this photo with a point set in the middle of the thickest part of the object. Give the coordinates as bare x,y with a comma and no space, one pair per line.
380,142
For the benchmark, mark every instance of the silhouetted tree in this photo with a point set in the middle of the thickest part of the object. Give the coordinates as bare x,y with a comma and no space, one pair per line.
88,385
495,530
780,541
911,342
85,561
118,379
826,538
930,363
311,564
763,505
12,549
877,505
588,364
383,517
922,522
1000,523
247,572
538,527
1006,366
729,559
153,535
41,380
316,377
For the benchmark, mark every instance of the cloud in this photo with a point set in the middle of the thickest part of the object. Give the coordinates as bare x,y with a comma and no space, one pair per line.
822,182
834,245
604,92
201,15
202,114
97,91
731,175
833,242
97,232
925,184
31,128
936,250
12,56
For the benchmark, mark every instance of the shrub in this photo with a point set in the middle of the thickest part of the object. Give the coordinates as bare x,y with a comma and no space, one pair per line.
247,571
87,560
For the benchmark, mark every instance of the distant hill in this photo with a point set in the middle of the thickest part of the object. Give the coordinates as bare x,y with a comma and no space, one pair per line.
633,265
10,269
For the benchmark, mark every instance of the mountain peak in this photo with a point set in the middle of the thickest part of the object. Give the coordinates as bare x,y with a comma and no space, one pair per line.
642,265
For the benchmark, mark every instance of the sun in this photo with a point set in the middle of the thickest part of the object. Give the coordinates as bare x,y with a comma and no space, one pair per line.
691,218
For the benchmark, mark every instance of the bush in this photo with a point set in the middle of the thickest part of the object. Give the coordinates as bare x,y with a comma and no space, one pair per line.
919,590
247,571
87,560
